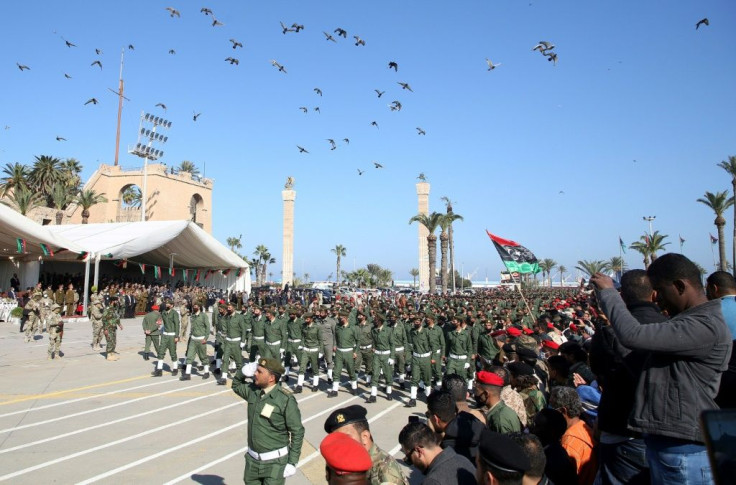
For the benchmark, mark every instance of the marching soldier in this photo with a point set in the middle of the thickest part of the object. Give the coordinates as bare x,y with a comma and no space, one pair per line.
56,329
151,323
275,429
346,351
274,331
365,342
421,355
383,357
459,348
294,345
33,307
258,334
328,325
96,310
437,344
197,343
184,317
110,325
488,347
218,329
311,342
234,328
399,343
46,303
169,339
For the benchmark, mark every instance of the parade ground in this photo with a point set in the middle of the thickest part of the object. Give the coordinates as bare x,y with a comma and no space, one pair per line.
81,419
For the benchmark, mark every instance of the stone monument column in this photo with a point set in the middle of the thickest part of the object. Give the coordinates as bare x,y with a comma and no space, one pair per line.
423,200
288,195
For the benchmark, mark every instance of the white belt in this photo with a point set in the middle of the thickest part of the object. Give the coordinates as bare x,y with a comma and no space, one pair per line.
278,342
170,333
196,338
258,338
307,349
366,347
459,357
399,349
345,350
382,352
437,351
270,455
295,340
236,339
421,355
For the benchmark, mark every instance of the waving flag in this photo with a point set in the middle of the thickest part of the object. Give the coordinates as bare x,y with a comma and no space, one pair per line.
21,245
713,239
46,250
515,257
621,243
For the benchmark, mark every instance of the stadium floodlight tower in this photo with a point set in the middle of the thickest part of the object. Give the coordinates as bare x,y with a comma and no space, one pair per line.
144,148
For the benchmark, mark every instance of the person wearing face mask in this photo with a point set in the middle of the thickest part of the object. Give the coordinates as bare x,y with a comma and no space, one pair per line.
197,342
169,339
500,418
422,450
234,341
383,357
421,354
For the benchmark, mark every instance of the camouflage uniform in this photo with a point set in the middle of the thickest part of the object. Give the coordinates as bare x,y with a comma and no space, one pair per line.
184,318
56,329
110,323
385,469
34,316
95,316
46,303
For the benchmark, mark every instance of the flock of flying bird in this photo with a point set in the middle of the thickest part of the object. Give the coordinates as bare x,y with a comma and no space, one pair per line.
543,47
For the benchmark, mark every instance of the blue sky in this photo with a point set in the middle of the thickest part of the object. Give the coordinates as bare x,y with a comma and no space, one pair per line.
631,121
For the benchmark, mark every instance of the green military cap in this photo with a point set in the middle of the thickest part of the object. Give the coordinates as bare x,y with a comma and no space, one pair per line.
379,317
344,313
308,315
272,365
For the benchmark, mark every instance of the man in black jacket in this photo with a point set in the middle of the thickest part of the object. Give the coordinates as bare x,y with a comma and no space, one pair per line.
458,430
440,467
722,286
621,453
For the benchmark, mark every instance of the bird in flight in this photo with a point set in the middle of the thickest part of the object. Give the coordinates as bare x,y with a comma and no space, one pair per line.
395,106
405,86
373,123
131,47
67,76
162,105
98,51
172,51
232,61
360,172
561,192
328,36
69,44
97,62
552,57
302,150
297,27
543,46
196,115
332,142
491,65
316,108
236,44
173,12
420,131
318,91
346,140
60,138
358,40
394,66
206,11
216,23
701,22
285,29
22,67
379,93
378,165
303,108
91,100
278,66
341,32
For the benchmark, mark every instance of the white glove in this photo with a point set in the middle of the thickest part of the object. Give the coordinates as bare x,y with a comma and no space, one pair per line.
390,361
281,352
289,470
466,366
242,345
249,370
294,360
321,355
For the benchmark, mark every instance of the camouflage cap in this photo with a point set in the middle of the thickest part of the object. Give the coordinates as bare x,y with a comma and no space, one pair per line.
55,307
527,341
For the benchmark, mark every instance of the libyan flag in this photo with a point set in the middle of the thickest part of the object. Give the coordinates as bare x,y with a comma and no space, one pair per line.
516,257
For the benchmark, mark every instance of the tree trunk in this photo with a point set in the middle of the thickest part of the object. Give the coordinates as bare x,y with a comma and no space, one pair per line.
722,246
432,253
337,275
59,217
85,216
444,243
733,260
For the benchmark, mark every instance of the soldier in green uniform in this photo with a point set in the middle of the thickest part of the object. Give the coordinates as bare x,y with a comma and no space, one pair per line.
275,429
328,325
258,344
365,354
421,355
488,347
95,316
55,327
399,342
151,324
294,342
459,348
274,331
218,330
197,342
437,343
169,339
346,351
234,328
311,343
110,325
383,357
352,421
499,418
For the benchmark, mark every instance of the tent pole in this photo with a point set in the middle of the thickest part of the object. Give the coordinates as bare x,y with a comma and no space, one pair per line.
86,286
97,272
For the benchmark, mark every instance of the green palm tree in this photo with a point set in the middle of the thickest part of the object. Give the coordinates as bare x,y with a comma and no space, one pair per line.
547,265
563,270
264,259
86,199
70,170
648,246
44,174
14,175
446,221
730,167
450,232
414,274
61,197
234,242
24,200
430,222
132,196
361,277
591,267
255,267
340,251
719,203
616,264
187,166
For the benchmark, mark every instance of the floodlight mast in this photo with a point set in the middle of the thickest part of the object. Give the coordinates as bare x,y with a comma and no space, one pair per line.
146,150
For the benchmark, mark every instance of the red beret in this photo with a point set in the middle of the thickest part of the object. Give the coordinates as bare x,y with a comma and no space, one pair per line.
155,307
344,455
528,331
497,333
513,331
573,327
485,377
551,344
550,325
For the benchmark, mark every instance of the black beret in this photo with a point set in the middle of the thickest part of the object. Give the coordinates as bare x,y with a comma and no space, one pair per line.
344,416
526,353
508,348
520,369
502,452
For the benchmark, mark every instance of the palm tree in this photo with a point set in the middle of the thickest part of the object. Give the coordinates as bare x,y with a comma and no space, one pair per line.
256,267
340,251
591,267
430,222
15,175
617,265
414,274
61,197
264,259
306,277
547,265
450,232
234,242
730,167
563,270
648,246
132,196
446,221
361,276
187,166
44,175
24,200
719,203
86,199
70,170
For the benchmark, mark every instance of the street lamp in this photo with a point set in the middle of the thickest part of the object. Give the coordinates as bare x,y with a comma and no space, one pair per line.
649,219
144,148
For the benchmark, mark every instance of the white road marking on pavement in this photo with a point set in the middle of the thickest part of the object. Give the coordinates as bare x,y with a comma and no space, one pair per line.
103,408
102,425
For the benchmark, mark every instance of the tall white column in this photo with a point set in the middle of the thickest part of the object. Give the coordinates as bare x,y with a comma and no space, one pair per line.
287,259
423,201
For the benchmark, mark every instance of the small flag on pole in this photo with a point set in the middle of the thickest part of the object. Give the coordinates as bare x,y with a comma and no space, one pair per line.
186,274
713,239
142,267
83,256
226,272
172,272
156,272
21,245
621,243
239,273
46,250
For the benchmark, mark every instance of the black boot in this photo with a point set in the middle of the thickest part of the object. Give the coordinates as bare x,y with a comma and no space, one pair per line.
355,391
412,403
206,375
331,393
185,377
157,373
298,390
389,397
371,399
175,371
145,356
221,381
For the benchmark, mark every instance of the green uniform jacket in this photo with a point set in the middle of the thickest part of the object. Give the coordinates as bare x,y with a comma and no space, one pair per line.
294,329
459,343
398,336
347,337
365,335
149,322
171,322
385,469
257,325
200,325
502,419
420,342
275,331
311,336
382,340
274,419
487,347
234,326
436,338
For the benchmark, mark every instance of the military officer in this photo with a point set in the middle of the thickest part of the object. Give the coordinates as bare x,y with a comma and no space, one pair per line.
59,296
311,342
421,355
258,344
70,300
275,429
365,354
328,325
294,341
383,357
437,343
399,342
352,421
96,310
459,347
46,302
110,325
169,339
151,325
183,317
197,343
234,328
56,328
274,331
346,351
33,307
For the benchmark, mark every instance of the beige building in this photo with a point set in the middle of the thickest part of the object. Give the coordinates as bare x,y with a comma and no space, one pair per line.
171,196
